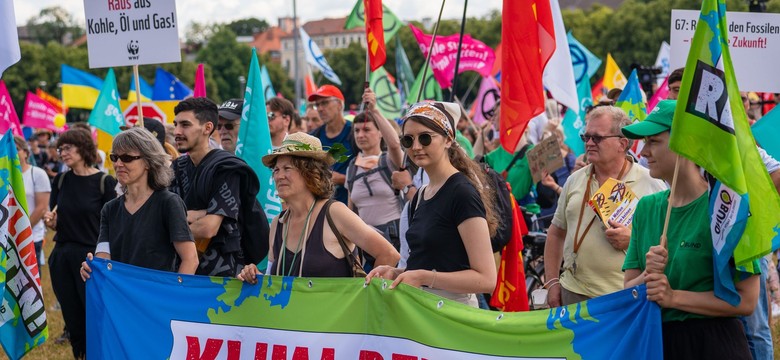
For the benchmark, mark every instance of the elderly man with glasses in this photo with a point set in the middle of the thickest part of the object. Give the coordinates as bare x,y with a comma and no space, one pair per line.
329,103
229,122
592,253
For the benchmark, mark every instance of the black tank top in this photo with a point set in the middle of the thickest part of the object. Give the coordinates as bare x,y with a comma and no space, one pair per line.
318,262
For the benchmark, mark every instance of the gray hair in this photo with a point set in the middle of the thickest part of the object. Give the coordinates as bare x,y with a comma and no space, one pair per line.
618,117
141,140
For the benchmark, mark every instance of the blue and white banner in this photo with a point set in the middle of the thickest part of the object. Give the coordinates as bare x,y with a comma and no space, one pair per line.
315,58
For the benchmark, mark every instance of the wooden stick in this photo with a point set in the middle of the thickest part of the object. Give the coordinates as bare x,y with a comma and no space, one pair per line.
55,209
140,121
669,205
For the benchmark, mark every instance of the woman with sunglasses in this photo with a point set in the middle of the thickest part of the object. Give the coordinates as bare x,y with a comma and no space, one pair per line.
371,194
77,197
147,225
452,218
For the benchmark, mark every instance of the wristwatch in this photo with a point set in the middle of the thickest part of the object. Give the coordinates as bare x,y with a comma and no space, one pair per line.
406,189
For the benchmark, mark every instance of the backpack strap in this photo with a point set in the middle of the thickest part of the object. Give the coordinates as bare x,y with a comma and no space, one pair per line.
62,178
353,262
416,202
520,154
103,184
351,171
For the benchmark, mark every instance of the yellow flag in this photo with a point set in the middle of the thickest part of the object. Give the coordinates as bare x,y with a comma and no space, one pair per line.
613,77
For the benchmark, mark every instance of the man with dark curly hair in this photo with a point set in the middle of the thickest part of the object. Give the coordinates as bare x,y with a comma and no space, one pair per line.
219,191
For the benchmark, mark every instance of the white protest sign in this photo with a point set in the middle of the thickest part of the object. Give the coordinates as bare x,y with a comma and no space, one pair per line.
754,44
131,32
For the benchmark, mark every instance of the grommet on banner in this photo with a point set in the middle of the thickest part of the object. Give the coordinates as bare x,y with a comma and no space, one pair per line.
179,279
310,284
635,293
384,285
365,285
563,311
440,304
500,316
108,266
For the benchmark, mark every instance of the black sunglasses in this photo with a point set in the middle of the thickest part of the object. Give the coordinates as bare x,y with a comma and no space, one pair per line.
407,141
124,157
228,126
597,138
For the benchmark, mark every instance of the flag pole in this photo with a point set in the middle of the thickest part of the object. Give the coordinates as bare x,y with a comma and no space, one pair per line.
669,205
460,46
430,51
140,121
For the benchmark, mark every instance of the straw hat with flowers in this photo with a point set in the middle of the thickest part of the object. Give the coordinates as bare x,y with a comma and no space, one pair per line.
302,145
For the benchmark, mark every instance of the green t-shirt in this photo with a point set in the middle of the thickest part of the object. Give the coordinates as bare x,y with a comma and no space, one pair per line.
519,176
464,143
689,265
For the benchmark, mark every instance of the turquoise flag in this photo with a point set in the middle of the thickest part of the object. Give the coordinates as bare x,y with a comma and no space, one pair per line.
23,324
631,99
585,66
107,115
268,89
254,139
403,70
767,131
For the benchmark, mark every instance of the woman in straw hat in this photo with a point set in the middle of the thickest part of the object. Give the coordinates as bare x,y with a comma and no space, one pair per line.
452,218
300,241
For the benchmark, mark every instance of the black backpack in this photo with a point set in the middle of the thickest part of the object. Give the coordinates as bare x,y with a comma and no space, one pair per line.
503,206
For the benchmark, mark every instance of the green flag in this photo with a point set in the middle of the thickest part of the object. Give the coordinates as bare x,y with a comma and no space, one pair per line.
107,115
387,98
403,70
432,89
710,127
358,18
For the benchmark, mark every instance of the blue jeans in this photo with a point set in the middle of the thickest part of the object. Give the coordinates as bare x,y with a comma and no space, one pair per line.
759,335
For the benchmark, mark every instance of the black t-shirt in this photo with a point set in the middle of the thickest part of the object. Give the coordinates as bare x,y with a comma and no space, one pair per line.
224,198
434,241
146,238
79,202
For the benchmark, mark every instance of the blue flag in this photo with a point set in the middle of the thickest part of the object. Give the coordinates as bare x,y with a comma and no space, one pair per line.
23,324
169,87
268,88
631,99
585,66
254,139
107,115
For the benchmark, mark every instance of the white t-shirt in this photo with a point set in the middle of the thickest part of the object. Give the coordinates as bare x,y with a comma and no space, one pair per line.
36,181
771,164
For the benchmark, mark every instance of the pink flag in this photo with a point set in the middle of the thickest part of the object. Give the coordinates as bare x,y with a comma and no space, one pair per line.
474,55
488,95
8,117
200,82
40,114
660,94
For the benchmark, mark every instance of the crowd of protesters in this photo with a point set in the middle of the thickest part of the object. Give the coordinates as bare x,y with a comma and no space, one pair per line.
412,203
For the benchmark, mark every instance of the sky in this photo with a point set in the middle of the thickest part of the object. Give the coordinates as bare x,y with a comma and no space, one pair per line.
208,11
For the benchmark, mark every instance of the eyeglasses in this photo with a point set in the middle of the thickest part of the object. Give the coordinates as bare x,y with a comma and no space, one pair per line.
124,157
271,115
597,138
321,103
407,141
228,126
64,148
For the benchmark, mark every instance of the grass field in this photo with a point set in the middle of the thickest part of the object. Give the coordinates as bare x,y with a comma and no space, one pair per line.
51,351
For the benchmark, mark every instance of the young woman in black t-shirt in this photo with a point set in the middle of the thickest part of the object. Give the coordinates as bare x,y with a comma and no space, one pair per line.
451,218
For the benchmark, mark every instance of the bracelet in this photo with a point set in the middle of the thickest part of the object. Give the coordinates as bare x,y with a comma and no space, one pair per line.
555,283
549,282
559,190
434,278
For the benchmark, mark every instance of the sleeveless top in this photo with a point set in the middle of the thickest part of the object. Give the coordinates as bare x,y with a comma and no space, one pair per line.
318,262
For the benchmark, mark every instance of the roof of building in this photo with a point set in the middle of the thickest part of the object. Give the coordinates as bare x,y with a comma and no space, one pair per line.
269,40
328,26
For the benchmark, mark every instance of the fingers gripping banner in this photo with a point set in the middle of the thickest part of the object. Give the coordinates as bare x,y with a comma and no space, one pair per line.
134,313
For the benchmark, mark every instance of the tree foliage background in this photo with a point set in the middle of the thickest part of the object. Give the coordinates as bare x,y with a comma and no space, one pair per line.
632,32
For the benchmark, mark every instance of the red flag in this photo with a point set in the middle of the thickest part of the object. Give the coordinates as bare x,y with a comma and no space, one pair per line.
310,85
510,293
528,30
598,91
53,100
375,33
200,82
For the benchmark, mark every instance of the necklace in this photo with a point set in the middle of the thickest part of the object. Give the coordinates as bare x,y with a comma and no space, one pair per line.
300,242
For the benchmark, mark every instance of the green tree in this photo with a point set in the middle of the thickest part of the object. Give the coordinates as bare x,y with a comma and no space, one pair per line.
54,24
227,61
282,83
350,65
248,26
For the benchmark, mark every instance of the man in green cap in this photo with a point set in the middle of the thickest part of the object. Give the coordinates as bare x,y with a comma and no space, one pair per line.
696,324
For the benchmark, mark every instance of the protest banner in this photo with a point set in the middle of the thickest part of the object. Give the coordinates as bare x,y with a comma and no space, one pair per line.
614,201
40,114
136,313
474,55
8,117
122,33
754,41
545,156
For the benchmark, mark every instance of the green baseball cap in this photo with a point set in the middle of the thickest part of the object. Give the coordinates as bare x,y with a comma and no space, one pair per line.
658,121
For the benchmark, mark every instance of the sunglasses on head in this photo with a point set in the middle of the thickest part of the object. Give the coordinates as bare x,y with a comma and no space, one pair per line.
227,126
407,141
124,157
597,138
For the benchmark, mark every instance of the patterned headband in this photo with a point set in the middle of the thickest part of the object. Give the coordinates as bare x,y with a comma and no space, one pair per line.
432,112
